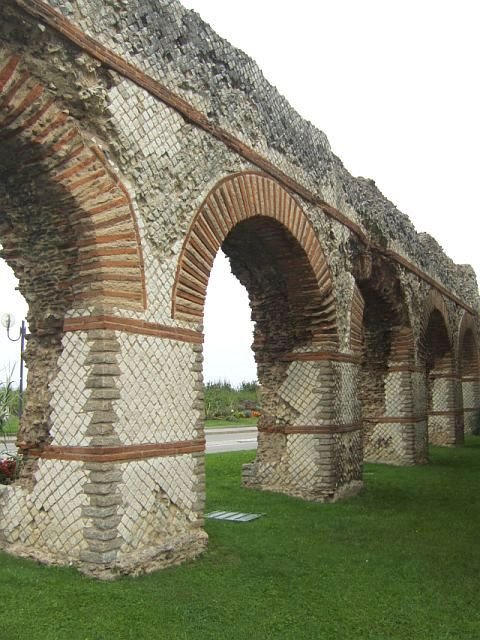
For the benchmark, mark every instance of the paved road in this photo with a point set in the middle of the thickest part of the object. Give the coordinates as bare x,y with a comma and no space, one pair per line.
218,440
232,439
10,445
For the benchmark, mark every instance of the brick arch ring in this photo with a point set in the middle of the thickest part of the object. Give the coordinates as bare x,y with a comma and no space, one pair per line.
231,201
467,323
434,302
109,267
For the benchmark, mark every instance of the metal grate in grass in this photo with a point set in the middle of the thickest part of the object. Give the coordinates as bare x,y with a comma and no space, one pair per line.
233,516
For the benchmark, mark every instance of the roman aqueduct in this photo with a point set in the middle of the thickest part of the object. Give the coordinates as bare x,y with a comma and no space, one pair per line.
134,143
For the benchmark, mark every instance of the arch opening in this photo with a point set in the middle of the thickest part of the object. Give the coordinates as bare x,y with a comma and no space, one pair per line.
39,244
285,301
288,311
469,380
68,231
378,321
228,328
391,430
441,402
390,426
230,387
308,442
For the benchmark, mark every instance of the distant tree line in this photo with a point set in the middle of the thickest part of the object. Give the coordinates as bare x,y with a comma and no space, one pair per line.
222,400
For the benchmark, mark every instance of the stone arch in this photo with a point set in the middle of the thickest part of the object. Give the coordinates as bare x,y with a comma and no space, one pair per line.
468,370
47,146
67,227
234,200
275,253
434,302
381,329
387,398
468,327
437,363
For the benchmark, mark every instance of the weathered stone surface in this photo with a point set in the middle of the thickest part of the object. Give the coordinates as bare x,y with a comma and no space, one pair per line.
100,429
102,535
100,513
118,185
100,558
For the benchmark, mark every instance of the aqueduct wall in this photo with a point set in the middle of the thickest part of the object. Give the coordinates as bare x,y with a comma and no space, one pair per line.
134,144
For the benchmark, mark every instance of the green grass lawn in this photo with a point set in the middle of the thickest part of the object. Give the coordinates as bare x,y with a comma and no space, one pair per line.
400,561
11,427
220,423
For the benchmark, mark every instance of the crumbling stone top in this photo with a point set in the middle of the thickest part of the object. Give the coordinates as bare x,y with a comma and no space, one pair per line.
175,46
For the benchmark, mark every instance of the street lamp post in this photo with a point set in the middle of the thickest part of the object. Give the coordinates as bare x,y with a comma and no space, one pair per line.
8,321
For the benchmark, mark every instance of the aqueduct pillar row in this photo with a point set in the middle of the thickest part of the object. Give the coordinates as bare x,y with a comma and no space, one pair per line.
127,161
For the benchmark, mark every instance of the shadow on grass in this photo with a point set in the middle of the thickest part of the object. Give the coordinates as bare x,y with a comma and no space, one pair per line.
465,456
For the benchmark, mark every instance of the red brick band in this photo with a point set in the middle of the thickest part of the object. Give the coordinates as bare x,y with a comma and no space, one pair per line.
318,356
56,21
426,278
130,325
445,376
450,412
395,419
405,369
123,453
310,429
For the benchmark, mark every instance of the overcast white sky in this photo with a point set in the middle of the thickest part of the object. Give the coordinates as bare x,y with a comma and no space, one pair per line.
395,86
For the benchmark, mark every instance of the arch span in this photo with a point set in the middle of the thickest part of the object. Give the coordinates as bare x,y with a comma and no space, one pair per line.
67,228
233,200
118,408
434,303
275,253
469,372
441,402
43,146
382,332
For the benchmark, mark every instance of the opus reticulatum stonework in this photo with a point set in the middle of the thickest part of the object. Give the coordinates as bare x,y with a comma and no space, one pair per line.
135,143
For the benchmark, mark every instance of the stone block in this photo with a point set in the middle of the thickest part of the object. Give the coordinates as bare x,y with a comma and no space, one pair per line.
99,512
98,557
93,533
102,546
105,476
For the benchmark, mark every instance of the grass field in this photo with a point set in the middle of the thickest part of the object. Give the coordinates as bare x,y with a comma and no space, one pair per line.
11,426
221,423
400,561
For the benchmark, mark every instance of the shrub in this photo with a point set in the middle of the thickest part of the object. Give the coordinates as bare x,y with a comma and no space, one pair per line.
9,464
222,400
6,399
8,469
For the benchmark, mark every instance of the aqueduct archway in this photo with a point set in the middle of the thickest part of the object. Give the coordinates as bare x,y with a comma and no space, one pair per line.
469,374
276,255
117,188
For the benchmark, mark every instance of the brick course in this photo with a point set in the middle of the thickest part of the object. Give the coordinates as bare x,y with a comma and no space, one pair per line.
127,161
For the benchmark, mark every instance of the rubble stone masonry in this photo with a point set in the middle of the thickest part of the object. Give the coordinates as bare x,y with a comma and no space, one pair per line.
134,144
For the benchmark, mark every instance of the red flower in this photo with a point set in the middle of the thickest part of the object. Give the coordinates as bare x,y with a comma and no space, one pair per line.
8,467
